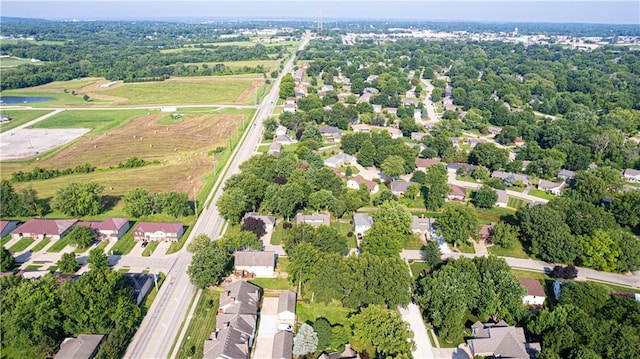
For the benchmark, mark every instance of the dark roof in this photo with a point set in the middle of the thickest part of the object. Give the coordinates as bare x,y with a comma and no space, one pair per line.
533,287
44,226
109,224
287,302
148,227
282,345
330,129
240,297
84,346
228,343
255,258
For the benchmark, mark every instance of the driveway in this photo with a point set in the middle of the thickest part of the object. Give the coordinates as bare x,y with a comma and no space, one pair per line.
412,315
267,328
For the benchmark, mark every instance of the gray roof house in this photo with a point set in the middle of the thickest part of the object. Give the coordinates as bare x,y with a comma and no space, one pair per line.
269,222
227,343
362,222
348,353
339,160
518,176
282,345
239,297
330,129
274,148
244,323
284,139
85,346
566,174
287,307
503,198
552,187
631,175
399,187
315,220
257,263
421,224
500,340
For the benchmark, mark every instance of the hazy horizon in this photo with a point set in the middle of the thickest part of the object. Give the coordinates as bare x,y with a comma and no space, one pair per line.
591,12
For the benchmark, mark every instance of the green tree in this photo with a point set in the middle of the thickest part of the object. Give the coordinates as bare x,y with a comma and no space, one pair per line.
626,208
208,266
198,243
323,328
382,331
457,224
432,255
321,199
395,216
489,155
412,191
485,197
546,234
480,173
172,203
79,199
285,199
97,260
588,296
383,240
305,341
68,263
393,166
8,199
6,260
138,202
287,87
598,251
232,204
239,241
81,237
366,154
504,235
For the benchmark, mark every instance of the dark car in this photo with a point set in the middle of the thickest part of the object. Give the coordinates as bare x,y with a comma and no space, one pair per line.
144,244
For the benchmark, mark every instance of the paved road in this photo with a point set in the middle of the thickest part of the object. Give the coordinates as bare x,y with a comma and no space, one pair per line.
428,104
160,326
412,315
629,279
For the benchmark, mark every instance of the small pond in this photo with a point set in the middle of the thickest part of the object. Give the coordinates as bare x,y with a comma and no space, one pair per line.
16,100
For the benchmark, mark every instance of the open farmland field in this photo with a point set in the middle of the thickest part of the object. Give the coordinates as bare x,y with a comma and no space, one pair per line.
98,121
191,90
19,117
35,42
76,84
13,61
182,149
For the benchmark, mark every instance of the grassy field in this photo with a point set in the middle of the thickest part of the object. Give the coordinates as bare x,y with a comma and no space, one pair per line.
278,234
38,247
190,91
517,202
35,42
98,121
70,85
541,194
21,244
59,245
517,251
272,283
417,268
19,117
12,61
334,312
201,326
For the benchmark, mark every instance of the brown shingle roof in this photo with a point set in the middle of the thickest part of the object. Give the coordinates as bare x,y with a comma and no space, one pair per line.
533,287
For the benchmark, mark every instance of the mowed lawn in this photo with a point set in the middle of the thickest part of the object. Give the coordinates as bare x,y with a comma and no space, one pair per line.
187,91
268,64
20,117
201,325
99,120
58,98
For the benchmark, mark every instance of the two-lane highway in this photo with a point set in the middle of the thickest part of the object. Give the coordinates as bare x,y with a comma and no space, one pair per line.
161,325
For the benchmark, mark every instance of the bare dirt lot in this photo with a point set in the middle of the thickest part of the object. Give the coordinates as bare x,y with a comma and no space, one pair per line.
26,143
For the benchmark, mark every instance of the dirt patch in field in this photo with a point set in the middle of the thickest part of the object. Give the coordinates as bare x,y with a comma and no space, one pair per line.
247,94
181,148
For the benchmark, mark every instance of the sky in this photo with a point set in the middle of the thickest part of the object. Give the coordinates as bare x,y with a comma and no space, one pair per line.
571,11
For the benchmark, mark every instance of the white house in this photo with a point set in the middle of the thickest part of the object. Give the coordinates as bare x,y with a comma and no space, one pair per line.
281,130
354,183
314,220
362,222
631,175
421,225
287,308
110,228
290,108
258,263
535,293
552,187
274,148
284,140
339,160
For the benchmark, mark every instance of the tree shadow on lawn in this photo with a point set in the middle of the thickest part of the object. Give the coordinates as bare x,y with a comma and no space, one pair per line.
109,202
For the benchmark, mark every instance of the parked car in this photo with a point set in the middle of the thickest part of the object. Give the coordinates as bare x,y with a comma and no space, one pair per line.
144,244
285,327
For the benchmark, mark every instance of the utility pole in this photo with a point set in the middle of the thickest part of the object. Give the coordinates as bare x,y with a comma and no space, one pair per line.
195,201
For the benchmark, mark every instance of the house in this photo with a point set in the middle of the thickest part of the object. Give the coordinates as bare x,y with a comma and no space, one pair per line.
40,228
500,340
287,307
518,142
355,182
85,346
417,136
503,198
327,88
370,90
339,160
331,134
552,187
348,353
494,130
141,283
244,323
290,101
269,222
315,220
361,128
239,297
108,229
631,175
274,148
281,130
366,97
377,108
284,140
517,176
290,108
153,231
258,263
7,226
282,345
399,187
535,293
421,225
362,222
486,231
456,193
473,142
226,343
566,174
457,165
298,75
393,132
392,110
423,163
